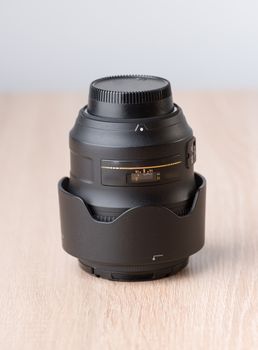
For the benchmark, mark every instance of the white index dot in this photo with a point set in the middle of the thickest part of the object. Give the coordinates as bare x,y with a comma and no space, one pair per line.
141,128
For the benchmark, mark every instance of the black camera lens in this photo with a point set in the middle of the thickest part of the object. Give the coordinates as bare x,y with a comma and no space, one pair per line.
132,190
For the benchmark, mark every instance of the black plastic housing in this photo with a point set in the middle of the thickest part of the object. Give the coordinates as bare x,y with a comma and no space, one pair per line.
133,208
142,243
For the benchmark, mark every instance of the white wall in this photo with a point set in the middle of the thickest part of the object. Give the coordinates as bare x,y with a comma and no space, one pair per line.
63,45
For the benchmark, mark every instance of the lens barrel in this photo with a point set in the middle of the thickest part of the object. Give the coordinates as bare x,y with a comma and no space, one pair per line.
131,149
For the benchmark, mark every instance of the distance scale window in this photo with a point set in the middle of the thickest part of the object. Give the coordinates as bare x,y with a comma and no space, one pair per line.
143,176
133,173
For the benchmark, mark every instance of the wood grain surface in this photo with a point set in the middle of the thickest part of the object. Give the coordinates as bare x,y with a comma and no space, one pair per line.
48,302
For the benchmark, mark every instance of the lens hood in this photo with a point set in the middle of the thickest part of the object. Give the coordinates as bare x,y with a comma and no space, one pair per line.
143,243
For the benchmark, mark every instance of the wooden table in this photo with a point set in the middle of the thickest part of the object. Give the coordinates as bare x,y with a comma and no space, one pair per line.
48,302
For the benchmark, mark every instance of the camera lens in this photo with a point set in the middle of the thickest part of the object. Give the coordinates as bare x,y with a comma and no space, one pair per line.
131,147
128,148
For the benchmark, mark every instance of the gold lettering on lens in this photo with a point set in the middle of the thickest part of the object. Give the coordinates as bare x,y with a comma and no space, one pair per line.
141,167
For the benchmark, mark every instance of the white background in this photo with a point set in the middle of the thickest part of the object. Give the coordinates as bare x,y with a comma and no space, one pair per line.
52,45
